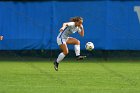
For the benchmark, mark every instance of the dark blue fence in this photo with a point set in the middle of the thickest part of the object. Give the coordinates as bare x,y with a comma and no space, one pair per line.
110,25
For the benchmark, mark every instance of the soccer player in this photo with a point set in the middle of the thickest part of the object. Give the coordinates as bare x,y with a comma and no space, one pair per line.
1,37
75,25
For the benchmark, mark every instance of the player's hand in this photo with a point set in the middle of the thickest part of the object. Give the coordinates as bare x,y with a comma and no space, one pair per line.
81,27
61,30
1,37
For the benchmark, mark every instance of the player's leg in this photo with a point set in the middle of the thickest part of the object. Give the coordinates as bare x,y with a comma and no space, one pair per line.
64,52
63,46
76,44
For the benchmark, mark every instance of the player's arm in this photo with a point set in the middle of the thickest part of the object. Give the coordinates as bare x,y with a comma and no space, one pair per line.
63,27
81,32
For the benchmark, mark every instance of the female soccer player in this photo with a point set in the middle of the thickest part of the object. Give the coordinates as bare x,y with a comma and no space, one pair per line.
1,37
63,39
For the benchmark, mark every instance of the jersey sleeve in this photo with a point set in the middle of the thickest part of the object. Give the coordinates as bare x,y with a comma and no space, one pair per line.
71,23
67,24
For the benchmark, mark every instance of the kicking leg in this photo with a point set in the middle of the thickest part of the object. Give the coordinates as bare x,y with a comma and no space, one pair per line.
76,44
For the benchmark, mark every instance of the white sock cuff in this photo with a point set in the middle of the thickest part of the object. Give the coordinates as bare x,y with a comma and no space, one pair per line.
60,57
76,46
77,49
62,54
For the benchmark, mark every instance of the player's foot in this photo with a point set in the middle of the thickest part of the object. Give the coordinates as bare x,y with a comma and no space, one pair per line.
56,65
80,57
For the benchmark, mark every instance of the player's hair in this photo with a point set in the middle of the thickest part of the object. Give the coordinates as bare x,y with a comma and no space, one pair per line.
76,19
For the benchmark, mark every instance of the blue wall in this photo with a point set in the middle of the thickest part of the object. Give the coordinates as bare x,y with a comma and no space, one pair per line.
110,25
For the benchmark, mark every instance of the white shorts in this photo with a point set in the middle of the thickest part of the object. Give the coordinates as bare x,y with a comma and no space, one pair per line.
61,41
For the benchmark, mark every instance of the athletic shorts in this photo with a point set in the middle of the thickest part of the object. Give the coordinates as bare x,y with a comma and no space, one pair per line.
61,41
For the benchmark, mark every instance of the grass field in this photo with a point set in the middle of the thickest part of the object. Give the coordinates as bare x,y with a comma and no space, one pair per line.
73,77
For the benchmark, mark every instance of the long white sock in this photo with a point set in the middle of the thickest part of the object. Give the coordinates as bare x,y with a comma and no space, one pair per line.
77,49
60,57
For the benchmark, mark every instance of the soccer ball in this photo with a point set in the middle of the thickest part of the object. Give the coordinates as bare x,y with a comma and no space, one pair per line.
89,46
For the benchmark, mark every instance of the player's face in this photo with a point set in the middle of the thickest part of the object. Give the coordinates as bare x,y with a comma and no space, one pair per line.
79,23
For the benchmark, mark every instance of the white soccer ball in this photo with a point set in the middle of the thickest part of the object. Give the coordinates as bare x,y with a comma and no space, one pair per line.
89,46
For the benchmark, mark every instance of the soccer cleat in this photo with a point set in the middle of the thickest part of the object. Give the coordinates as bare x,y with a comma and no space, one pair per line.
80,57
56,66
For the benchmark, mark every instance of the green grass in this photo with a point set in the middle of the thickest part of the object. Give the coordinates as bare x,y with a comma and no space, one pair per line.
72,77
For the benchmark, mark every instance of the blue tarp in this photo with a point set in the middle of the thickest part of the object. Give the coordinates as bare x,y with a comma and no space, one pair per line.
110,25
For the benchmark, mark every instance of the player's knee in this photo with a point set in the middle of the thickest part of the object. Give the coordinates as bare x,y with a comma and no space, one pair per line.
78,42
66,52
